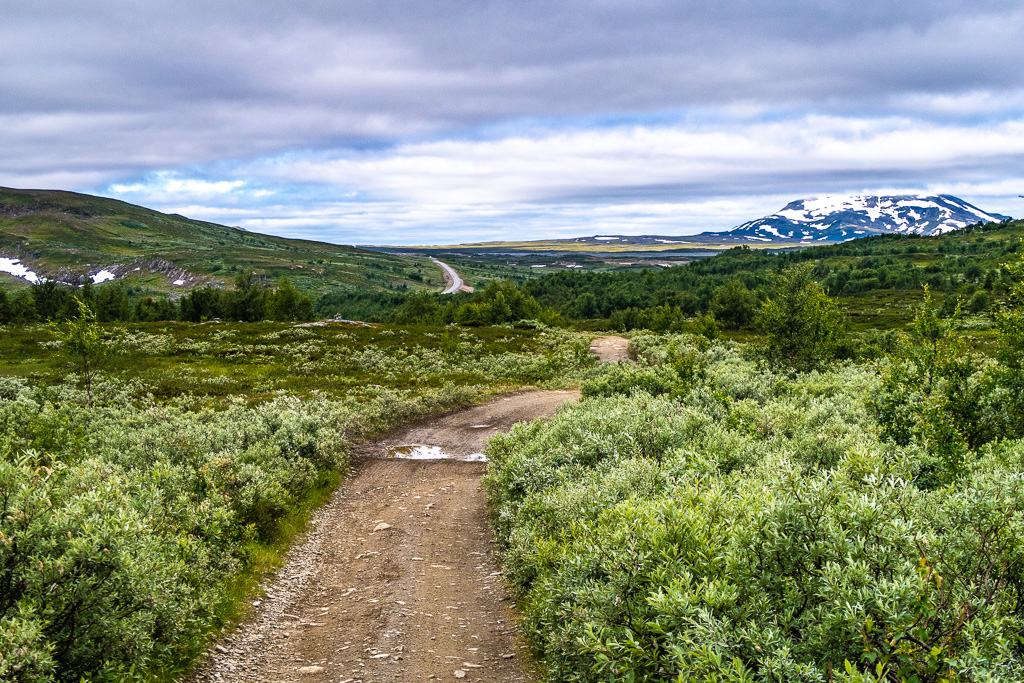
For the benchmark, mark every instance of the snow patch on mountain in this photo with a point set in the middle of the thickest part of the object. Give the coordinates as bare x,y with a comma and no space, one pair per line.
834,218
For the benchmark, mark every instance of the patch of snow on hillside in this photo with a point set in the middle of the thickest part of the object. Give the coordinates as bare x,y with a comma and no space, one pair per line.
794,215
774,231
179,283
102,276
14,267
823,206
760,239
918,202
606,238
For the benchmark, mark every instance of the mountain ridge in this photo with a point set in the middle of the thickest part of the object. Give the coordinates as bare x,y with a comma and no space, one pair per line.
818,220
838,218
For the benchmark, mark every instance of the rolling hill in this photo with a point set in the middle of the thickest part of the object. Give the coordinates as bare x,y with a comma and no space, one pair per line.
67,237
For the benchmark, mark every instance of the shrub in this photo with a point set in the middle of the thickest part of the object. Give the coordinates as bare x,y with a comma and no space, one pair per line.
756,528
803,326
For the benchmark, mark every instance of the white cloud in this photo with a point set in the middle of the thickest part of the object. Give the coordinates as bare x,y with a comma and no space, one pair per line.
171,184
553,164
675,179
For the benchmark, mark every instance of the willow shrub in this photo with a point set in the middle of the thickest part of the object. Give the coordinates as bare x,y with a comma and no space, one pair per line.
756,529
124,516
119,522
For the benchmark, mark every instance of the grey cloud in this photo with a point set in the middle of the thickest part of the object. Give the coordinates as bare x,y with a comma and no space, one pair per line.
139,85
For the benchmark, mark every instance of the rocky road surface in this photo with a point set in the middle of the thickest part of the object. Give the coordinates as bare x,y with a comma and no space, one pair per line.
396,579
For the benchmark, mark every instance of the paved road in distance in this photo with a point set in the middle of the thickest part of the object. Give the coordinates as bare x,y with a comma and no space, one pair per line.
451,275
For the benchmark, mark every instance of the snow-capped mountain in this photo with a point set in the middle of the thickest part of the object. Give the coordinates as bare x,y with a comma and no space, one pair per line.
840,218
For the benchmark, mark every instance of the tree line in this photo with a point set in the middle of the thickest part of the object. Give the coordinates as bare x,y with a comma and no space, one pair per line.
248,301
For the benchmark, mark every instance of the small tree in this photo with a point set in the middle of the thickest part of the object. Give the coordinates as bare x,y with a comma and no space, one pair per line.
84,343
734,304
929,392
1009,319
804,327
248,302
6,314
287,303
112,303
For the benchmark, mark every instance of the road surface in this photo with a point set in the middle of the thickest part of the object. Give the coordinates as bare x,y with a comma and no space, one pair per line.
397,581
454,281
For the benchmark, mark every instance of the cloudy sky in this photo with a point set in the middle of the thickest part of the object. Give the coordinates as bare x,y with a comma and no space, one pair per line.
405,122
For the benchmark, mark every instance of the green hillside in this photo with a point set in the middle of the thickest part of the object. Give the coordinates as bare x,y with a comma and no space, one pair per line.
66,235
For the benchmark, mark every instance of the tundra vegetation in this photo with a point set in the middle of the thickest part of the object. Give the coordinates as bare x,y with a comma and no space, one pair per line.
786,486
151,472
719,512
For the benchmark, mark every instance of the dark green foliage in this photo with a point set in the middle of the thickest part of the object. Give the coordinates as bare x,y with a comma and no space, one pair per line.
23,308
112,303
205,303
248,302
6,312
287,303
150,310
803,327
53,301
357,304
734,305
500,302
419,307
980,302
658,319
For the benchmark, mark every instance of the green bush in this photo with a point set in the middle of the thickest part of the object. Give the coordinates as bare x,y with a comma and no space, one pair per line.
128,505
802,325
756,528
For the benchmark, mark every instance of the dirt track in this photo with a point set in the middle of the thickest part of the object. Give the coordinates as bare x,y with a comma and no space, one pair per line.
396,580
610,349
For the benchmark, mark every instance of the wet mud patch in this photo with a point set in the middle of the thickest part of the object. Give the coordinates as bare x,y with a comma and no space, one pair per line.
424,452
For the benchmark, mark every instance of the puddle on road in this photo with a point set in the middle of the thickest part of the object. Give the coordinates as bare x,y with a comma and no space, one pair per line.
421,452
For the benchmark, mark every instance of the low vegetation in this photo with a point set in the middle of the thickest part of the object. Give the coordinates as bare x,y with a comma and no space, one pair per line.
811,473
149,472
719,513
